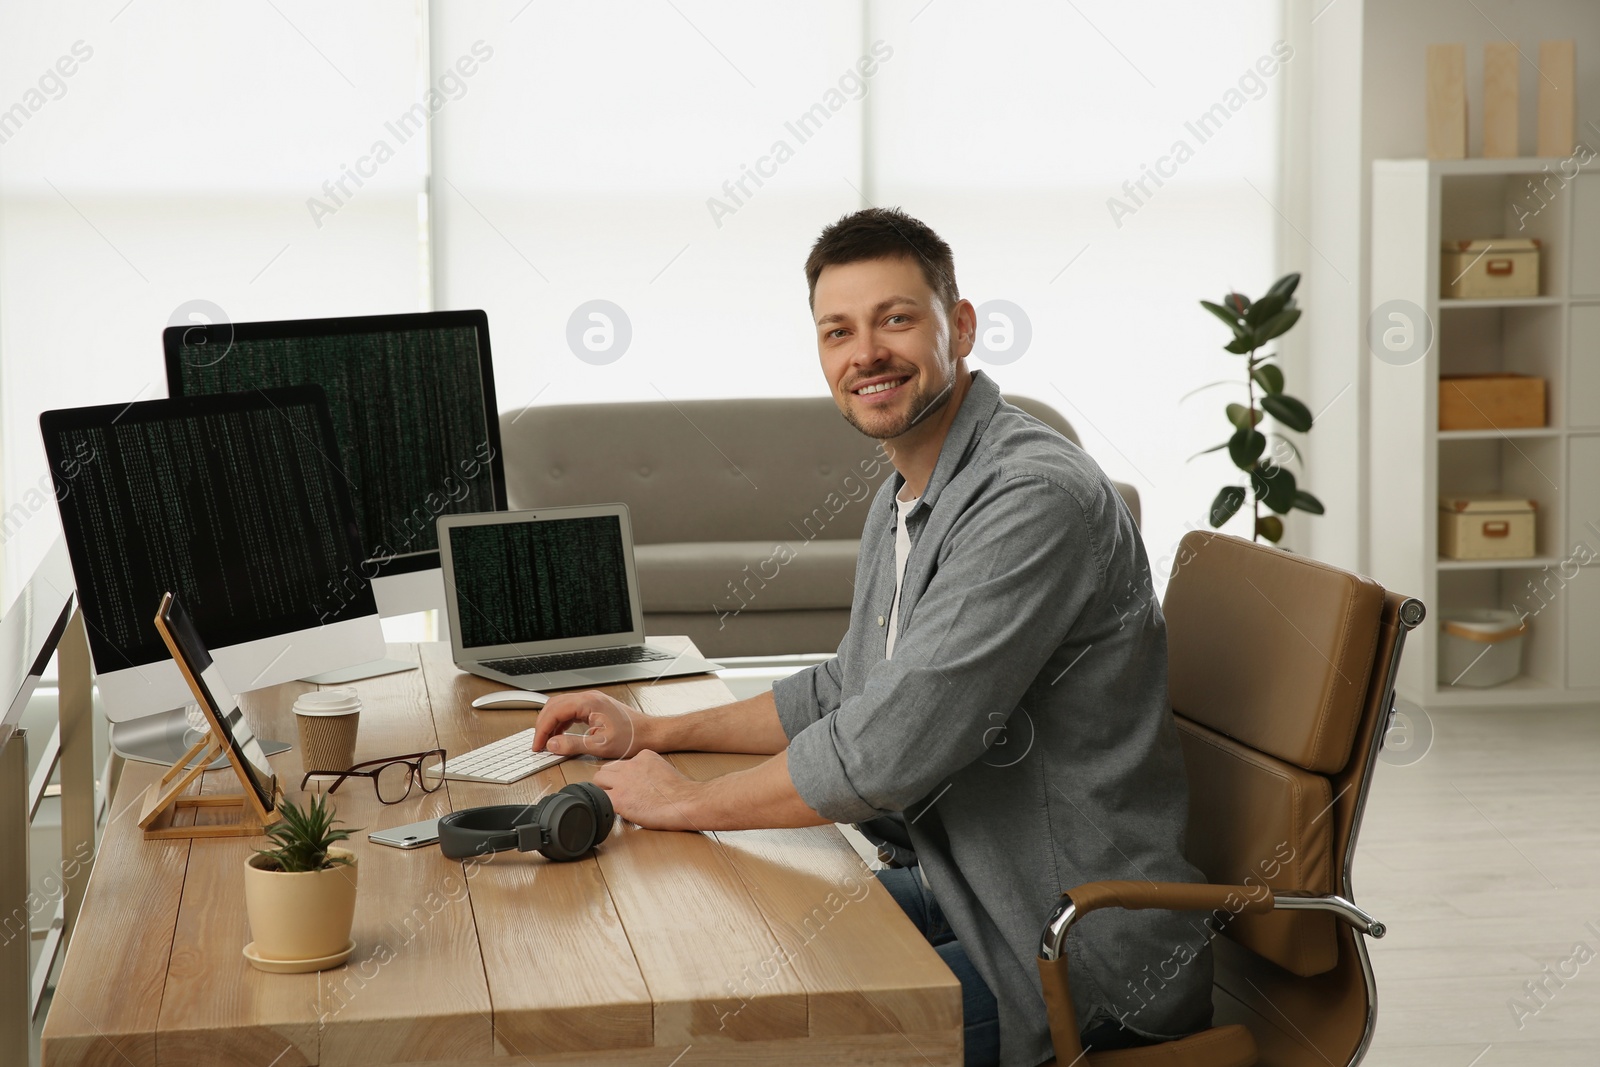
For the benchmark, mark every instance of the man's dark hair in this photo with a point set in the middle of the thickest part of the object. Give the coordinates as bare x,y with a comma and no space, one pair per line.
884,233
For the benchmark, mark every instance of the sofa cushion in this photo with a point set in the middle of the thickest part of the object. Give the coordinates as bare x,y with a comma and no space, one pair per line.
744,470
753,633
739,576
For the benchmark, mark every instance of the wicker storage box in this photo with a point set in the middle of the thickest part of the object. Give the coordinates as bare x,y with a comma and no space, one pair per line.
1496,268
1490,401
1480,648
1486,526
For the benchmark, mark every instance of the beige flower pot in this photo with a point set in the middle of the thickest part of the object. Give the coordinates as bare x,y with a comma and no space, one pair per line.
305,916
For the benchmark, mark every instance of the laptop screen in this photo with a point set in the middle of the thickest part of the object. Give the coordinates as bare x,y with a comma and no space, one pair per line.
542,580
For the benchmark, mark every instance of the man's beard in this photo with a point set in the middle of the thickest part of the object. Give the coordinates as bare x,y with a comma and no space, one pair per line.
922,406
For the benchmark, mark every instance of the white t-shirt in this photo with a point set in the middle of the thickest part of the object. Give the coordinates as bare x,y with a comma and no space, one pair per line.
902,549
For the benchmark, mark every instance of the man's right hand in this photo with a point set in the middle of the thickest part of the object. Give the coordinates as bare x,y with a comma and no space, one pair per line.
615,731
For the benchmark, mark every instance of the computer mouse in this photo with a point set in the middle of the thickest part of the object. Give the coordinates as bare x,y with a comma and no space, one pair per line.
510,700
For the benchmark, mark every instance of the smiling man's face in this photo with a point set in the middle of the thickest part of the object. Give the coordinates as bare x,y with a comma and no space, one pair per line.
889,349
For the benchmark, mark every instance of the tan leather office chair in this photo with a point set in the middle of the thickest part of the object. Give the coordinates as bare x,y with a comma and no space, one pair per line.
1282,677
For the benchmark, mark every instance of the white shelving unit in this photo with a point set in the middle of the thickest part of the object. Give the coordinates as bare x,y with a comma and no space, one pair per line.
1417,205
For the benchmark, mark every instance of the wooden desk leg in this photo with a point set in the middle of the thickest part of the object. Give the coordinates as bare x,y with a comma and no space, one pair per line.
78,814
15,920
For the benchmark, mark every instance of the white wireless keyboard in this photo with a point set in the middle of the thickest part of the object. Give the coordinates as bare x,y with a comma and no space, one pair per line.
507,760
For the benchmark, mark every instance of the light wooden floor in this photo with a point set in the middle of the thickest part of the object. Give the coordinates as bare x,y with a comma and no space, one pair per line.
1484,860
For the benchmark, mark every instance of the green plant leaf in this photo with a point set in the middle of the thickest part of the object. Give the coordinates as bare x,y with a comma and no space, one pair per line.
1237,414
1222,313
1270,527
1207,451
1265,308
1278,324
1306,502
1240,345
1285,285
1287,410
1237,303
1228,501
1245,447
1269,377
303,837
1229,317
1274,487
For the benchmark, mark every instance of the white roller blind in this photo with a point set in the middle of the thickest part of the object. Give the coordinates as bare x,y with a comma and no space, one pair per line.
175,164
1011,128
630,191
673,159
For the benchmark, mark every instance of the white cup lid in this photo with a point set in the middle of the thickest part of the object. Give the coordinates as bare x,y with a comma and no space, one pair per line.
334,692
340,700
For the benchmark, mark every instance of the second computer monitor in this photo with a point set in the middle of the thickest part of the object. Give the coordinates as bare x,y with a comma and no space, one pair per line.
414,411
235,503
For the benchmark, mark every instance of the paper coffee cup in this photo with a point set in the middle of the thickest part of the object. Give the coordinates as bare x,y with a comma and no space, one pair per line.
328,721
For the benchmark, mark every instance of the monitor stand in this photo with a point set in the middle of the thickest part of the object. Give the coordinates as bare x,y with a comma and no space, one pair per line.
374,669
396,594
163,737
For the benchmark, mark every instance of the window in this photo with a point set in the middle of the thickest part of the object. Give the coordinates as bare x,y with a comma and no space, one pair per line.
673,160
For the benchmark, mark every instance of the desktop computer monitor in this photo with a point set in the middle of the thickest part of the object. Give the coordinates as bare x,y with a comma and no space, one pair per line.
413,404
238,504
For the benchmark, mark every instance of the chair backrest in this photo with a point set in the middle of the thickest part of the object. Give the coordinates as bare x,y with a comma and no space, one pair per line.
1281,672
698,470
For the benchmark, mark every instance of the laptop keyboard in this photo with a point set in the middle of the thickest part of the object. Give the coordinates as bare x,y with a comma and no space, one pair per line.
572,661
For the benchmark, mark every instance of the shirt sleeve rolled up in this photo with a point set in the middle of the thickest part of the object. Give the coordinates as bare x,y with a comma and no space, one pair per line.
806,696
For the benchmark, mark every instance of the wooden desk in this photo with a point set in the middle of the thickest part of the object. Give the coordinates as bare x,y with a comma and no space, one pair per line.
762,946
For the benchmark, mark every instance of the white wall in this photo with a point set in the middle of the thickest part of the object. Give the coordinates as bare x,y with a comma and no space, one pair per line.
1396,34
1332,247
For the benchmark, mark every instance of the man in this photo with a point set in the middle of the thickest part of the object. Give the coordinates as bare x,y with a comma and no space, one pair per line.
1003,682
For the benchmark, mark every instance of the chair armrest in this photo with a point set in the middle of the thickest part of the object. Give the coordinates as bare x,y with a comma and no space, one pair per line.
1189,896
1092,896
1134,896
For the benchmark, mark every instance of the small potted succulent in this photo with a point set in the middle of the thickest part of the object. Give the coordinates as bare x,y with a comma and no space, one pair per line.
300,895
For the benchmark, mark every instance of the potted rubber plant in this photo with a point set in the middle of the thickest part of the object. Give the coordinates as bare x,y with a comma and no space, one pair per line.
300,894
1261,456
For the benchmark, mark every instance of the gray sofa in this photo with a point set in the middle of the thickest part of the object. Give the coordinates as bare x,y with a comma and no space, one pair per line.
747,514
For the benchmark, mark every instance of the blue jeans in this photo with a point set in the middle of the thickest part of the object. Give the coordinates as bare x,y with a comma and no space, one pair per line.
980,1015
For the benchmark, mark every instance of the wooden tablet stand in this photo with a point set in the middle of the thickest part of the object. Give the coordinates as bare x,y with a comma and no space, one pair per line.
164,799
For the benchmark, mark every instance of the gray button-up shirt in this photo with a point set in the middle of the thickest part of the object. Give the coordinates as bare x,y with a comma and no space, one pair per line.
1022,728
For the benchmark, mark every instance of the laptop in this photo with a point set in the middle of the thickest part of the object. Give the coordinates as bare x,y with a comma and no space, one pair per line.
548,599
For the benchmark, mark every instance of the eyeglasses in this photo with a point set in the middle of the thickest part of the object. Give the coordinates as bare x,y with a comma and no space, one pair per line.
391,777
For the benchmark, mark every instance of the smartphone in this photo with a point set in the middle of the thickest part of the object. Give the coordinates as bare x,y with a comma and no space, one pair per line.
412,835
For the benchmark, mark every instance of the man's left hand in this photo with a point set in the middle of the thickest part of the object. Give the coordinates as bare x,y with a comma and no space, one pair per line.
649,791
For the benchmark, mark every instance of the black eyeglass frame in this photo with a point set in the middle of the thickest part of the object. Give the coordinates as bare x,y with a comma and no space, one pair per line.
412,760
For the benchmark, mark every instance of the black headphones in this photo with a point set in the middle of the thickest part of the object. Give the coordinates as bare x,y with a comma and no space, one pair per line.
563,826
